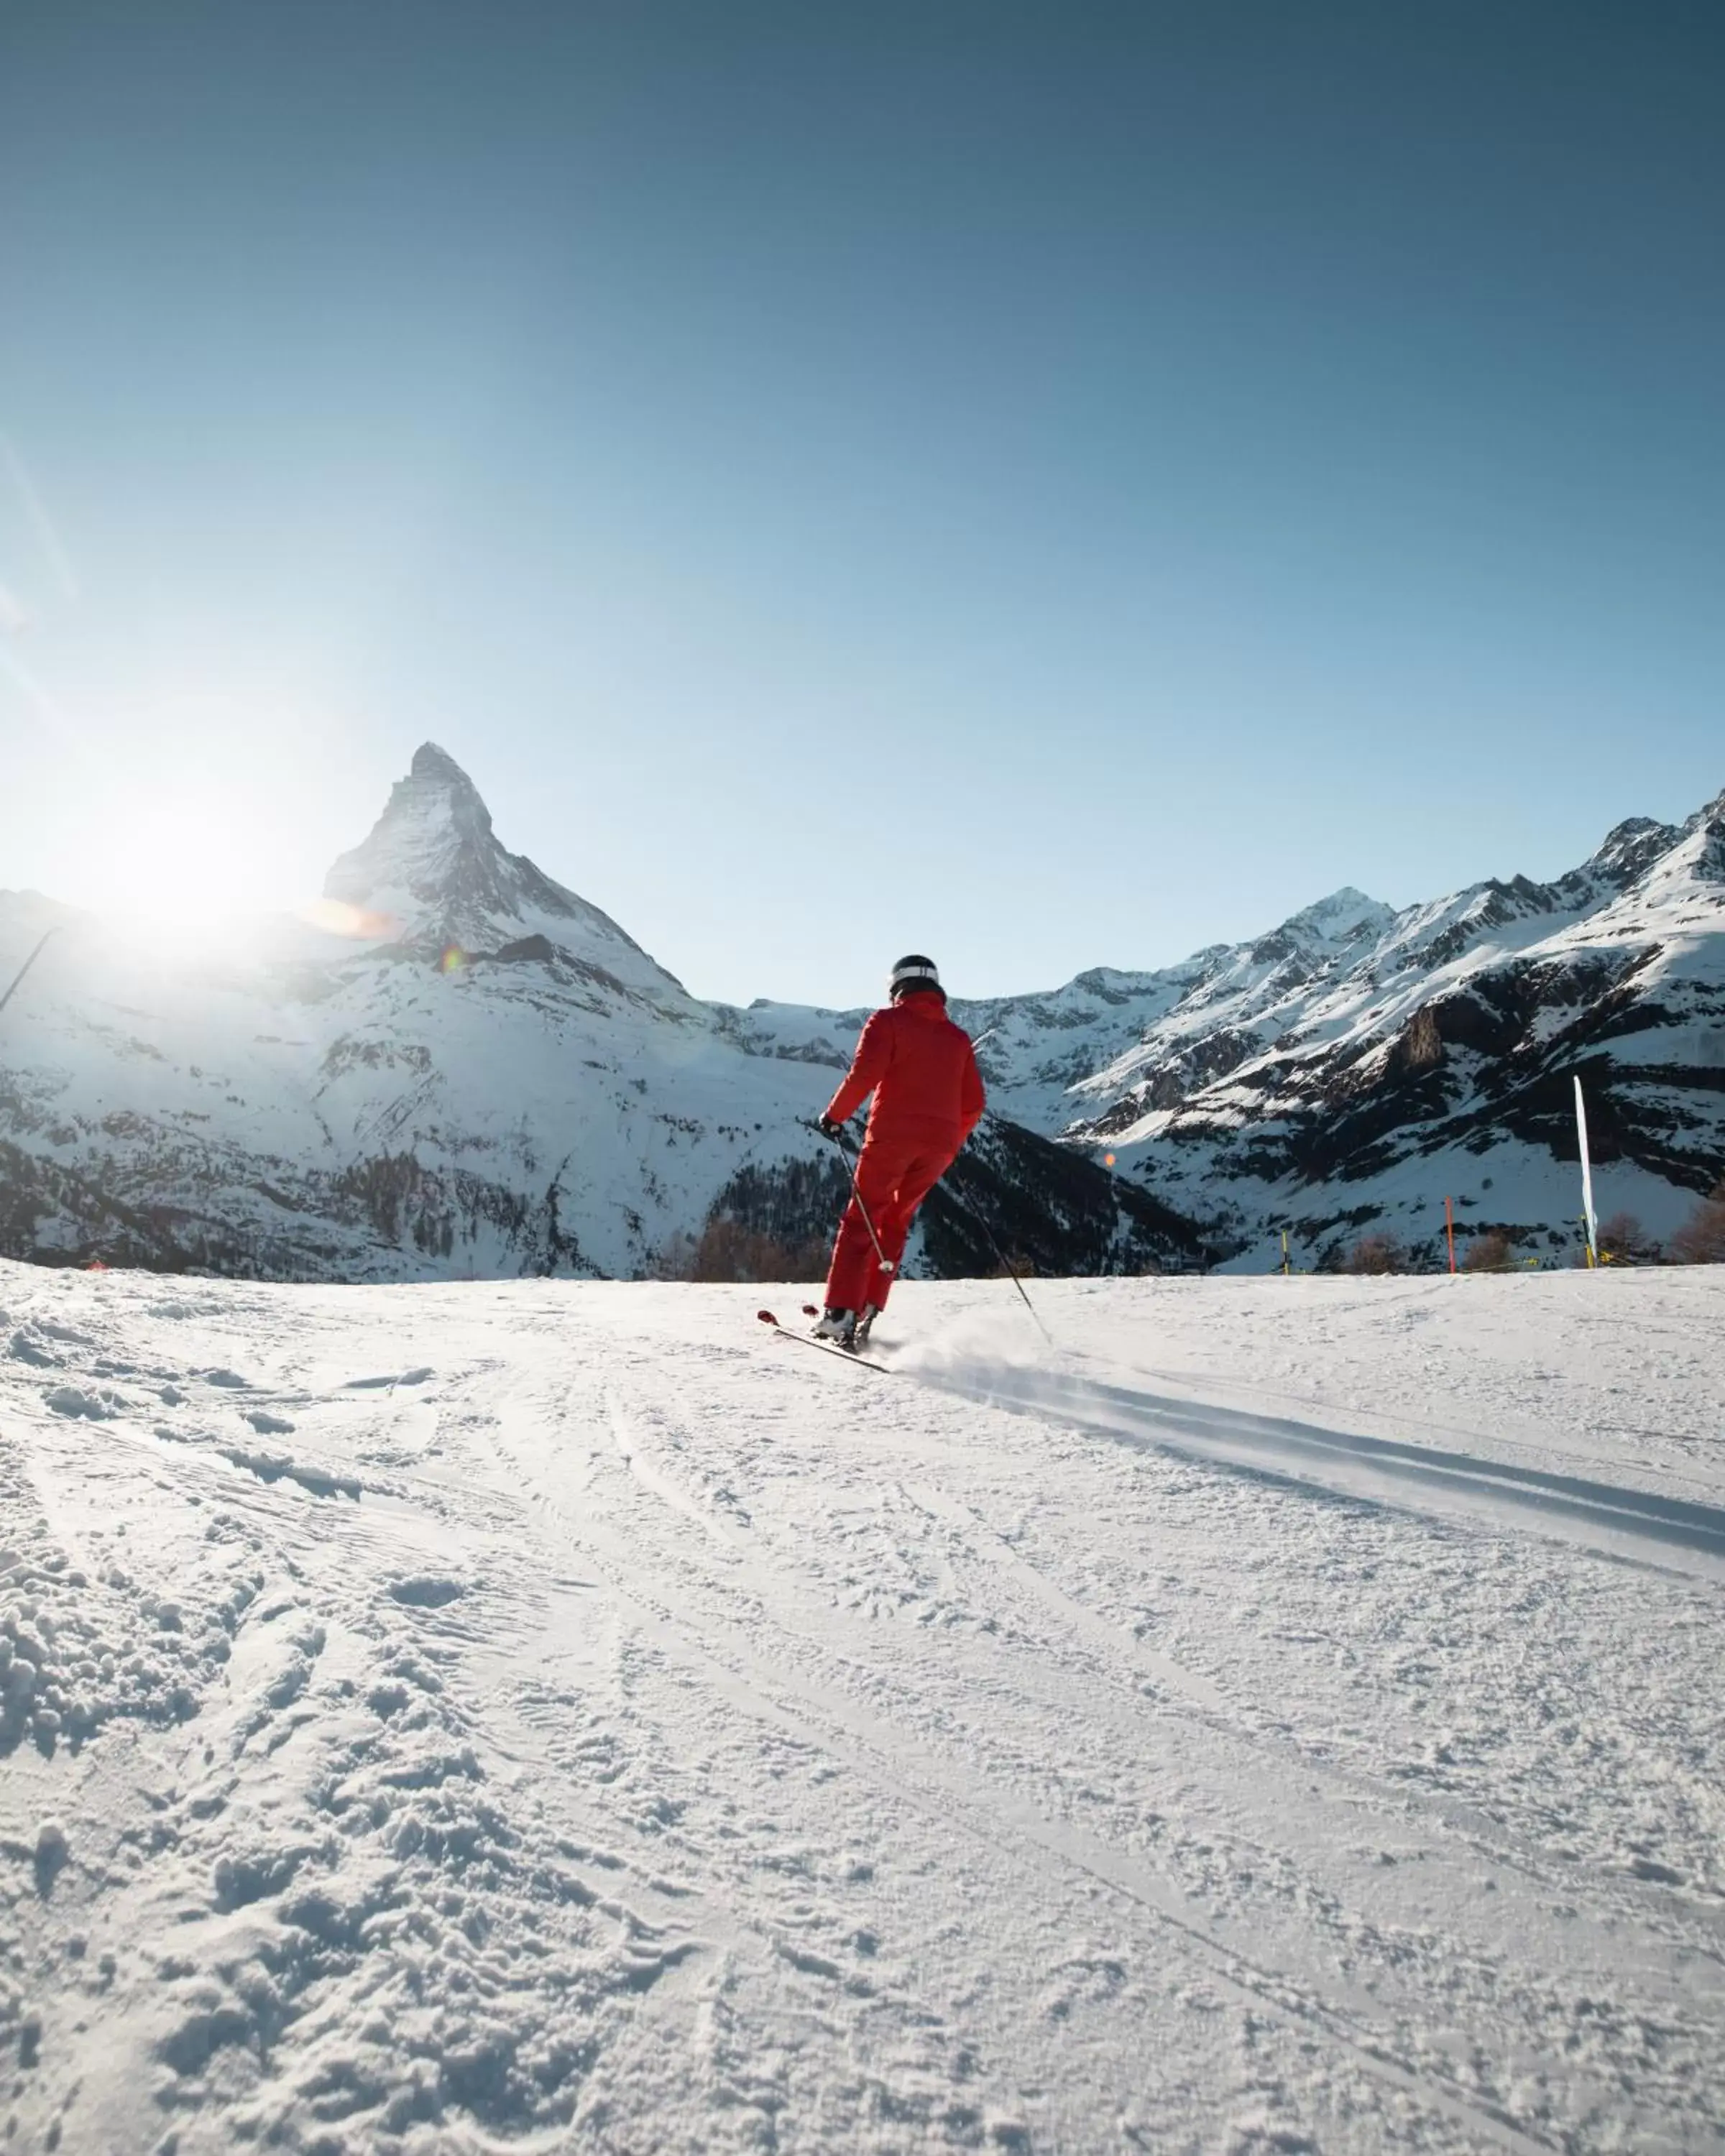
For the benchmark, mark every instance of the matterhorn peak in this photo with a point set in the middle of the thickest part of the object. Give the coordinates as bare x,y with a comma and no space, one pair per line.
434,865
437,767
436,789
431,858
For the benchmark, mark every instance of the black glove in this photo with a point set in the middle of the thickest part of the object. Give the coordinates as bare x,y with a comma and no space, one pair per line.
830,1129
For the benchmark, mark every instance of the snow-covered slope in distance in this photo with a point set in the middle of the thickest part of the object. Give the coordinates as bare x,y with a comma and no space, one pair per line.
482,1074
1350,1068
1436,1057
1039,1052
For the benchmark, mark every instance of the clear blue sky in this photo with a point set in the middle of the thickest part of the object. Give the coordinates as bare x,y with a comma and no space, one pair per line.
1051,485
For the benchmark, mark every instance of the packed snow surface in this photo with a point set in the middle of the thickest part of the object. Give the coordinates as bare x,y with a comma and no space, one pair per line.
1282,1714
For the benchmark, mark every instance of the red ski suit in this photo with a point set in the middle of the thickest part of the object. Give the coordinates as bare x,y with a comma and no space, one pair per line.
928,1099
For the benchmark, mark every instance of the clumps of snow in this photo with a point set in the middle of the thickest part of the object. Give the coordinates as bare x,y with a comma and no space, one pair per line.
273,1467
239,1881
29,2040
53,1854
390,1380
268,1466
93,1403
267,1425
80,1649
402,1903
426,1593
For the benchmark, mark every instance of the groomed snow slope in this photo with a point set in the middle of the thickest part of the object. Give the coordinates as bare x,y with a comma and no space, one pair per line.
1288,1714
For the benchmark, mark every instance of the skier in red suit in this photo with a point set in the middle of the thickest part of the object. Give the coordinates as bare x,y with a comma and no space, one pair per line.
928,1099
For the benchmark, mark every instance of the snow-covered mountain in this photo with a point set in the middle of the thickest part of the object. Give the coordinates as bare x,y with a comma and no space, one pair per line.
481,1072
460,1067
1352,1068
1039,1052
1330,1084
435,878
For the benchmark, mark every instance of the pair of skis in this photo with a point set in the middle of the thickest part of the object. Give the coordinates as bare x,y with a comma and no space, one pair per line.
825,1346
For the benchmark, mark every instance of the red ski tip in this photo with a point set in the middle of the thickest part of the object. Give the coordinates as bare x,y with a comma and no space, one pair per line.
766,1317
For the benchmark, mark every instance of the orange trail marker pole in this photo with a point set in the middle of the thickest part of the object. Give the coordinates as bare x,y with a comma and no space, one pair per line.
1449,1230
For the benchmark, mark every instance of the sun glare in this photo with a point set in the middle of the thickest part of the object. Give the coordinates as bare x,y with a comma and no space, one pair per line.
188,862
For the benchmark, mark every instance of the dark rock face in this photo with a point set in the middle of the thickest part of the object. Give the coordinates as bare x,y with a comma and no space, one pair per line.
1420,1045
1630,849
1208,1059
793,1202
1010,1193
1047,1209
1011,1197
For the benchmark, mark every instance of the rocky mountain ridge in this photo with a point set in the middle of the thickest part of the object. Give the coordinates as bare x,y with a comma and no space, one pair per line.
1348,1070
1437,1057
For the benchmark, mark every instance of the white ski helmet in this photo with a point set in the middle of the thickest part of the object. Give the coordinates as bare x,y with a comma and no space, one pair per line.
915,972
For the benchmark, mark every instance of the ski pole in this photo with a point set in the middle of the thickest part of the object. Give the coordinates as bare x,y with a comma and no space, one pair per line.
1006,1265
886,1264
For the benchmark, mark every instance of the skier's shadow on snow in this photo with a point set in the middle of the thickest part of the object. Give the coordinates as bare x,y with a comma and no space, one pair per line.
1154,1421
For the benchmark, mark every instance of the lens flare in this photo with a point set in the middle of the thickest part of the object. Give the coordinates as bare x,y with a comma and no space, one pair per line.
336,917
452,959
1107,1160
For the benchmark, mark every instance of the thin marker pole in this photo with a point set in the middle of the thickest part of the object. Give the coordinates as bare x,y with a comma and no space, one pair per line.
1590,1225
18,976
1450,1229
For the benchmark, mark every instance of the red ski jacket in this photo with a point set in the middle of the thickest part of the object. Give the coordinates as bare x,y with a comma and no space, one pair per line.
922,1070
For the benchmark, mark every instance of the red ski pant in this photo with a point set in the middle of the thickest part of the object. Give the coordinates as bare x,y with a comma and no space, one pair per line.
895,1172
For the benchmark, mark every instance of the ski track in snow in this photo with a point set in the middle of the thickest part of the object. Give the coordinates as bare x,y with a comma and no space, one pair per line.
1288,1715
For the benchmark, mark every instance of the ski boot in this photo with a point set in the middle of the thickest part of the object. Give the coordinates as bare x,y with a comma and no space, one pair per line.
865,1325
838,1327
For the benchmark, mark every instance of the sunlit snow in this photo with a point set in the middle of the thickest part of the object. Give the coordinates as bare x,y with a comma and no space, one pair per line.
1286,1714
